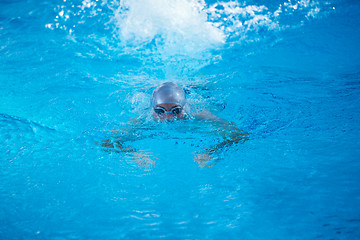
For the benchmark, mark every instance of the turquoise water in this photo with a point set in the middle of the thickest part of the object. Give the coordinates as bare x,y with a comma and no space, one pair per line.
287,73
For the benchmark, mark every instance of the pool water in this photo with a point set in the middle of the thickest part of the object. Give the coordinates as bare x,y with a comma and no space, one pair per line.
285,72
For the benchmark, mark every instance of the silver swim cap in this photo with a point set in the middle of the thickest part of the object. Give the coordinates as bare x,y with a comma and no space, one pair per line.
168,92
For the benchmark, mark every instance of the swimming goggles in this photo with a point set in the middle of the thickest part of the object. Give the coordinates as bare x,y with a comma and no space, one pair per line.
174,111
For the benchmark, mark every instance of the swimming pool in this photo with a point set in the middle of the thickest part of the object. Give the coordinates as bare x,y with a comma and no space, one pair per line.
286,72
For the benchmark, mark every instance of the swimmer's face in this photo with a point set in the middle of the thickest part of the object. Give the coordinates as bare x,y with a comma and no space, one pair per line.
168,111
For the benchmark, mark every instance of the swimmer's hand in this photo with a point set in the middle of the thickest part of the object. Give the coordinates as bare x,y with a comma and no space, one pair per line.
203,159
111,145
143,159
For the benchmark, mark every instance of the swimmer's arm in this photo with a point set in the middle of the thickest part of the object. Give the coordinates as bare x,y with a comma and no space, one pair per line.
115,142
142,158
227,130
230,133
112,145
237,137
129,128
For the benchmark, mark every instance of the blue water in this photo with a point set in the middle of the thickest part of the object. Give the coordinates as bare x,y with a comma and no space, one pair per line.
287,73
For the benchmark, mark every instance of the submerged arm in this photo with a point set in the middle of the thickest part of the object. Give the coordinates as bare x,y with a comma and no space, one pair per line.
116,143
228,130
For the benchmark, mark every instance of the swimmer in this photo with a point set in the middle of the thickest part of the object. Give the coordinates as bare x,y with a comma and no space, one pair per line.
169,104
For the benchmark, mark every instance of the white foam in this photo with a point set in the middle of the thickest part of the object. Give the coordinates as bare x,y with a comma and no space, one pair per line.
178,34
175,27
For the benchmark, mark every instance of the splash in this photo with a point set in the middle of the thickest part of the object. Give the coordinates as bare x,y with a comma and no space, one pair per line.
178,34
175,27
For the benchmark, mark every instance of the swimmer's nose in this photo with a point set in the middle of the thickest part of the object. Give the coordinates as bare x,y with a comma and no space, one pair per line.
168,116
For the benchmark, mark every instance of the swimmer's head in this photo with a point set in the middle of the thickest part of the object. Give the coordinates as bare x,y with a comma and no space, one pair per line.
168,92
168,101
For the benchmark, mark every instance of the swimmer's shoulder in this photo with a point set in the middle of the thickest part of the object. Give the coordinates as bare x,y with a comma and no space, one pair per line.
206,115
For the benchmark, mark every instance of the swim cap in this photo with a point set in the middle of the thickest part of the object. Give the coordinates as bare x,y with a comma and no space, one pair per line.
168,92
